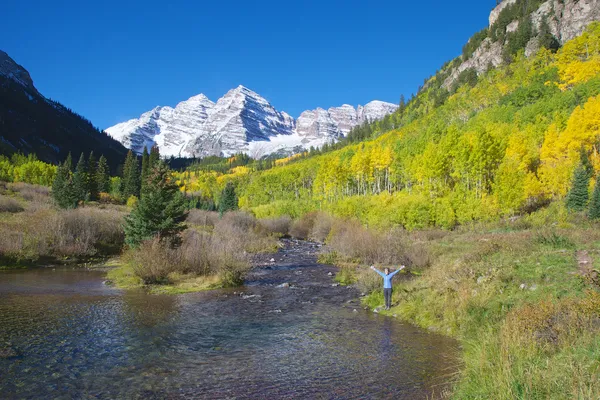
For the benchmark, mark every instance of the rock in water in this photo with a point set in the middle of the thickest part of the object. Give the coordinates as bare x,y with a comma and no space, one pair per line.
284,285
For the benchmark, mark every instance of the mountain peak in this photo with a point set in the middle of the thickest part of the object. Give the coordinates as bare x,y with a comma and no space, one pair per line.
14,71
240,121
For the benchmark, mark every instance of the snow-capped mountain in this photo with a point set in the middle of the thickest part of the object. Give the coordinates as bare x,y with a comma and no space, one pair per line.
240,121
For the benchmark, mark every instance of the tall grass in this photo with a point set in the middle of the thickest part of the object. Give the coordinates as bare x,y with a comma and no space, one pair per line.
9,205
47,233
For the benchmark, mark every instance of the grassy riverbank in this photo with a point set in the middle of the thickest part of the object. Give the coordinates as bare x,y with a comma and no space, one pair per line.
521,296
215,252
34,232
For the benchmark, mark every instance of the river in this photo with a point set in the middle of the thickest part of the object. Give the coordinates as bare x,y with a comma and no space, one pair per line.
64,334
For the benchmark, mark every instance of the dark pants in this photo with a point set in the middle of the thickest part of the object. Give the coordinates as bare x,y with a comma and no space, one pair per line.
387,295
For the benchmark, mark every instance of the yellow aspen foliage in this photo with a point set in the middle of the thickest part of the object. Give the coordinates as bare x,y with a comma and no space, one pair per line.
579,59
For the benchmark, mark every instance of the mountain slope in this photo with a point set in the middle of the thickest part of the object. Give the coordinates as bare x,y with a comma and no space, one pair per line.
240,121
31,123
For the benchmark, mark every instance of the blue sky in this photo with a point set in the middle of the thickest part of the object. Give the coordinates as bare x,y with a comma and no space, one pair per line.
112,60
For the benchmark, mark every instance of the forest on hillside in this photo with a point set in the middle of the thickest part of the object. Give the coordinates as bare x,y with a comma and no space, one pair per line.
506,145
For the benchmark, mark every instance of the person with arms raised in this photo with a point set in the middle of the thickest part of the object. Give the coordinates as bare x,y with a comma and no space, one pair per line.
387,283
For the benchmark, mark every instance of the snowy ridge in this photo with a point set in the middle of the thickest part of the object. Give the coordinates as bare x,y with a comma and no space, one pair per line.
240,121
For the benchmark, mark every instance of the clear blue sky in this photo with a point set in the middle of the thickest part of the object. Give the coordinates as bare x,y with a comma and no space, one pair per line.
112,60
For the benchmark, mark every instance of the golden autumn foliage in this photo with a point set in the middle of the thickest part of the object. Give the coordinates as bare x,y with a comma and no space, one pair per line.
505,146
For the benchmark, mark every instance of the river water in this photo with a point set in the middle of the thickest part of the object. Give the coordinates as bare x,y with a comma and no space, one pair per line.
64,334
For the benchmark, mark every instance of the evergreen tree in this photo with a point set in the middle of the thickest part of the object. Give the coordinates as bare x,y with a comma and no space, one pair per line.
160,212
585,162
145,166
92,181
130,185
547,39
103,176
578,196
80,180
229,200
62,187
594,210
154,157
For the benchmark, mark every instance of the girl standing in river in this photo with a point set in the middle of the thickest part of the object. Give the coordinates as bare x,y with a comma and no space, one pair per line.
387,283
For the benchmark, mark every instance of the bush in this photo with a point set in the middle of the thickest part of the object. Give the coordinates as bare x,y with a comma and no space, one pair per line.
153,261
321,227
276,226
367,281
242,228
358,244
202,217
86,231
131,201
302,227
9,205
70,233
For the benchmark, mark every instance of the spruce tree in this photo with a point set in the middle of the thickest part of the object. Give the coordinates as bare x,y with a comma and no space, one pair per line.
145,167
160,211
130,185
154,157
594,210
62,187
92,182
228,200
578,196
103,176
80,180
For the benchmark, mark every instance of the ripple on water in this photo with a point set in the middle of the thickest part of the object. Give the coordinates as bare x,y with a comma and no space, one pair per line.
78,338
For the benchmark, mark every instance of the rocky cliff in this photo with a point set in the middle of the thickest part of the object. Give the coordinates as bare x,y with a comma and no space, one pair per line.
565,20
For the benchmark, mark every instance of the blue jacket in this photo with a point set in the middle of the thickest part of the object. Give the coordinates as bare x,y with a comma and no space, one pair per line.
387,279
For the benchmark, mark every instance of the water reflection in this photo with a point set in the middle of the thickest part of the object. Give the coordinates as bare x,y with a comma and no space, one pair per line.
80,339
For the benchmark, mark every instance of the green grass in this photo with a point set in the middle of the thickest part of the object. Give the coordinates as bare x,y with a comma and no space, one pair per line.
122,276
529,324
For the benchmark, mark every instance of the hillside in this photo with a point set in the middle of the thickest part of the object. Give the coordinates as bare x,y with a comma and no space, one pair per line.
504,145
32,124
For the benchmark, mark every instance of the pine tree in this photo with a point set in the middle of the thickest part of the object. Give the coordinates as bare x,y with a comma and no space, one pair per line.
130,185
578,196
546,37
160,212
229,200
92,183
80,180
145,167
154,157
103,176
594,210
62,187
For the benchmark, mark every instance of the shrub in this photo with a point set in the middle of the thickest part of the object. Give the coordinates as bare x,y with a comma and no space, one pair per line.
302,227
153,261
367,281
276,226
358,244
10,205
131,201
321,227
242,228
202,217
85,231
68,233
